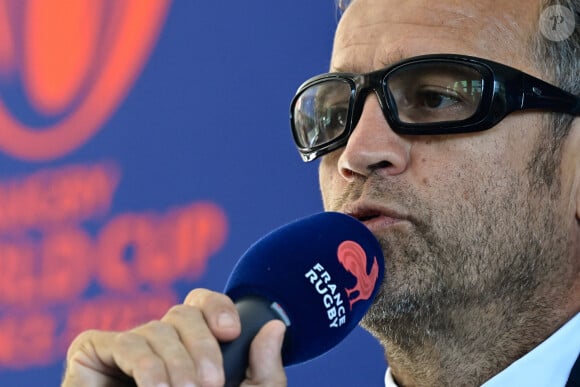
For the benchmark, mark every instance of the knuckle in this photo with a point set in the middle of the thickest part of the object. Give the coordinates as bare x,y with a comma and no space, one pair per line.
204,298
178,363
125,339
217,382
148,363
194,296
180,311
83,336
182,315
156,328
205,344
80,341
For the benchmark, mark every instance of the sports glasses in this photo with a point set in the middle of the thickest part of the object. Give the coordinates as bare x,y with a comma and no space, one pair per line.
430,94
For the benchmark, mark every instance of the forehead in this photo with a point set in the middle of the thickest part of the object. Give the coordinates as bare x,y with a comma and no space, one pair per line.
374,33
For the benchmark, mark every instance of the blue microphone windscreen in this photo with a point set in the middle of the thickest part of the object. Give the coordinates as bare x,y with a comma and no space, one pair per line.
323,270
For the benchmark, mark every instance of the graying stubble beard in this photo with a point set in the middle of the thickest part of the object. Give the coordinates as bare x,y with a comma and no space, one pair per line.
486,260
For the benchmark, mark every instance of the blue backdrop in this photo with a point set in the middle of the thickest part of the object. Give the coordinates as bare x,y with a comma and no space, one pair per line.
184,158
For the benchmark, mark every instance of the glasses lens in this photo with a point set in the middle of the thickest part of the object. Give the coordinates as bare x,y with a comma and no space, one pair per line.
321,112
433,92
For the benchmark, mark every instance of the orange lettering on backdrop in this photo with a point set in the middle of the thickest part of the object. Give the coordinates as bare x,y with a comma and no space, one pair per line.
125,240
27,339
137,249
17,265
199,231
92,50
71,194
77,60
49,261
113,312
66,265
55,270
38,337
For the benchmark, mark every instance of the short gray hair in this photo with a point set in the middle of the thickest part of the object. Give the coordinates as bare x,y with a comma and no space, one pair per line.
559,61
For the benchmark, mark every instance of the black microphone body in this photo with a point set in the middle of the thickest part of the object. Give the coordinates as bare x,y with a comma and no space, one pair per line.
254,313
318,275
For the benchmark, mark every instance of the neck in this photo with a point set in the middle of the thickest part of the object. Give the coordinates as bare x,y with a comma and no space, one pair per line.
469,346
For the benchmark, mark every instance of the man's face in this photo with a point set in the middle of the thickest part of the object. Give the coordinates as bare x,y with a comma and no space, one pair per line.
465,226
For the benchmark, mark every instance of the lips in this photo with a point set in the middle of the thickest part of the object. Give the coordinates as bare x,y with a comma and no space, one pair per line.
366,214
374,216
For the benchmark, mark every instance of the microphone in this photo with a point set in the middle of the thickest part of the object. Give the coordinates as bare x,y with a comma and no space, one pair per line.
319,275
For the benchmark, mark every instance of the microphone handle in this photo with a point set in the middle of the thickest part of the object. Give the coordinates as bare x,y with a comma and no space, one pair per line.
254,313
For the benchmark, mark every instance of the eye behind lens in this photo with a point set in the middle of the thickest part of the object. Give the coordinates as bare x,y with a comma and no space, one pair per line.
433,92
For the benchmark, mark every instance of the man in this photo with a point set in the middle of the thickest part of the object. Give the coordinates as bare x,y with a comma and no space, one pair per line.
478,214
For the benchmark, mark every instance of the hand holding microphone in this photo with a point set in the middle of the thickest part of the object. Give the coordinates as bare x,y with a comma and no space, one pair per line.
317,275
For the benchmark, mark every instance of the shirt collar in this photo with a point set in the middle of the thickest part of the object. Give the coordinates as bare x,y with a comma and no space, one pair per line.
548,364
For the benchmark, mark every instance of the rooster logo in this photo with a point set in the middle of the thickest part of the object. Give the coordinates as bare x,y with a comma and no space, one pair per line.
353,258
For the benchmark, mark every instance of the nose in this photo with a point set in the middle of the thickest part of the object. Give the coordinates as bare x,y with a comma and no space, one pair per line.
373,146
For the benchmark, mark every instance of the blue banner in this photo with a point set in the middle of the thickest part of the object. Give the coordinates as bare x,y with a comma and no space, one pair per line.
144,145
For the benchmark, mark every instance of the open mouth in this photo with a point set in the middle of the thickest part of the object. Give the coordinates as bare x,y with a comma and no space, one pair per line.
366,215
364,218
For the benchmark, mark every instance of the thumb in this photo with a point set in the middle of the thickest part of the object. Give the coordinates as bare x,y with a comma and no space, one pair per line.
265,368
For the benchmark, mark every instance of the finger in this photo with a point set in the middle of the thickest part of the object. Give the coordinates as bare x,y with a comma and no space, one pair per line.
266,367
199,342
90,362
134,356
166,344
219,312
181,348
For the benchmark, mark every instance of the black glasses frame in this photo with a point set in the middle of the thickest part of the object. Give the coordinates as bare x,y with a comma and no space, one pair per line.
504,90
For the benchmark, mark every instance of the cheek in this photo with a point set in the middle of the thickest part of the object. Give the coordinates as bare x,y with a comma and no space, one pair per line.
434,165
448,171
329,180
438,161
